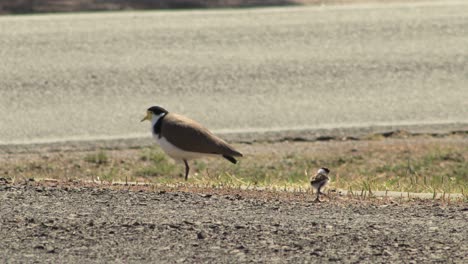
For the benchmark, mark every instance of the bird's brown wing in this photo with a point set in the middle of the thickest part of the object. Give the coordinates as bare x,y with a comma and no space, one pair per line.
188,135
318,178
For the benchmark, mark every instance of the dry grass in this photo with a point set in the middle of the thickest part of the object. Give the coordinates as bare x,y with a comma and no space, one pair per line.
416,164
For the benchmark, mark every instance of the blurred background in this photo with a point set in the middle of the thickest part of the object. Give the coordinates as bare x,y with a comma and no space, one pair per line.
307,66
36,6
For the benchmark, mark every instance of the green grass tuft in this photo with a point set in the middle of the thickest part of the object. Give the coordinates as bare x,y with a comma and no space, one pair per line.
158,165
97,158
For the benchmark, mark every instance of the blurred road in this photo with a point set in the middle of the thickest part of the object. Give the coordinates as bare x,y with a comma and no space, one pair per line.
92,76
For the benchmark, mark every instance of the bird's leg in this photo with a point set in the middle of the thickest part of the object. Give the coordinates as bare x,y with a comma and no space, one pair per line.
324,194
187,169
320,192
317,200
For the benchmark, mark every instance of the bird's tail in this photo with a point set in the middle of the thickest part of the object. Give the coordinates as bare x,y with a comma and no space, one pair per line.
230,158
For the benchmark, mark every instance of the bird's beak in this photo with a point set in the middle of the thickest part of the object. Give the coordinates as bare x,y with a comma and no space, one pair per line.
147,117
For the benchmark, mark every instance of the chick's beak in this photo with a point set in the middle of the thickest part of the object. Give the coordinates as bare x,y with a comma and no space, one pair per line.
147,117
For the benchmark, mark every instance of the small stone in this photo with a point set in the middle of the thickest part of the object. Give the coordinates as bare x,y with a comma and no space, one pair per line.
175,226
200,235
39,247
50,249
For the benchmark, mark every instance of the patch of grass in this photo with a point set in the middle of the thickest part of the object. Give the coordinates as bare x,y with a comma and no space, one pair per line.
368,167
156,170
433,170
110,175
98,158
199,165
158,166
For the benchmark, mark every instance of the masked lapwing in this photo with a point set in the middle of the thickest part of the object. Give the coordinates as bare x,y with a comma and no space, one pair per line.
184,139
319,181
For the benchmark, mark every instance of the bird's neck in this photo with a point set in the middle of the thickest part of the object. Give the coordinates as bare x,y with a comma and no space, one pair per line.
156,124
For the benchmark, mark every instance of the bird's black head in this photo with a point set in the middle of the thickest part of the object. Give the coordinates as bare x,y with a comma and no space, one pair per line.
154,111
157,110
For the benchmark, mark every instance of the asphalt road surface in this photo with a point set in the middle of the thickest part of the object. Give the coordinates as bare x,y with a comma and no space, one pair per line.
92,76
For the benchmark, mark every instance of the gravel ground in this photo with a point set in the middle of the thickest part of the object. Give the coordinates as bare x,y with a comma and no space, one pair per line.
90,224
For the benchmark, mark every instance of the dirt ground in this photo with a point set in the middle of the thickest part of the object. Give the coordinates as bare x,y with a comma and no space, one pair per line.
89,224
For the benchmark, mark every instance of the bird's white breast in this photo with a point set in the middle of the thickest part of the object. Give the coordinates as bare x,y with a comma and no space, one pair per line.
172,150
175,152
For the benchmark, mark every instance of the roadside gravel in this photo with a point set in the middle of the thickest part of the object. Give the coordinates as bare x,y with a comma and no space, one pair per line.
82,224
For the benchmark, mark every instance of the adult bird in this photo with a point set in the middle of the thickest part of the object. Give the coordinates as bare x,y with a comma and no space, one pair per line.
184,139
